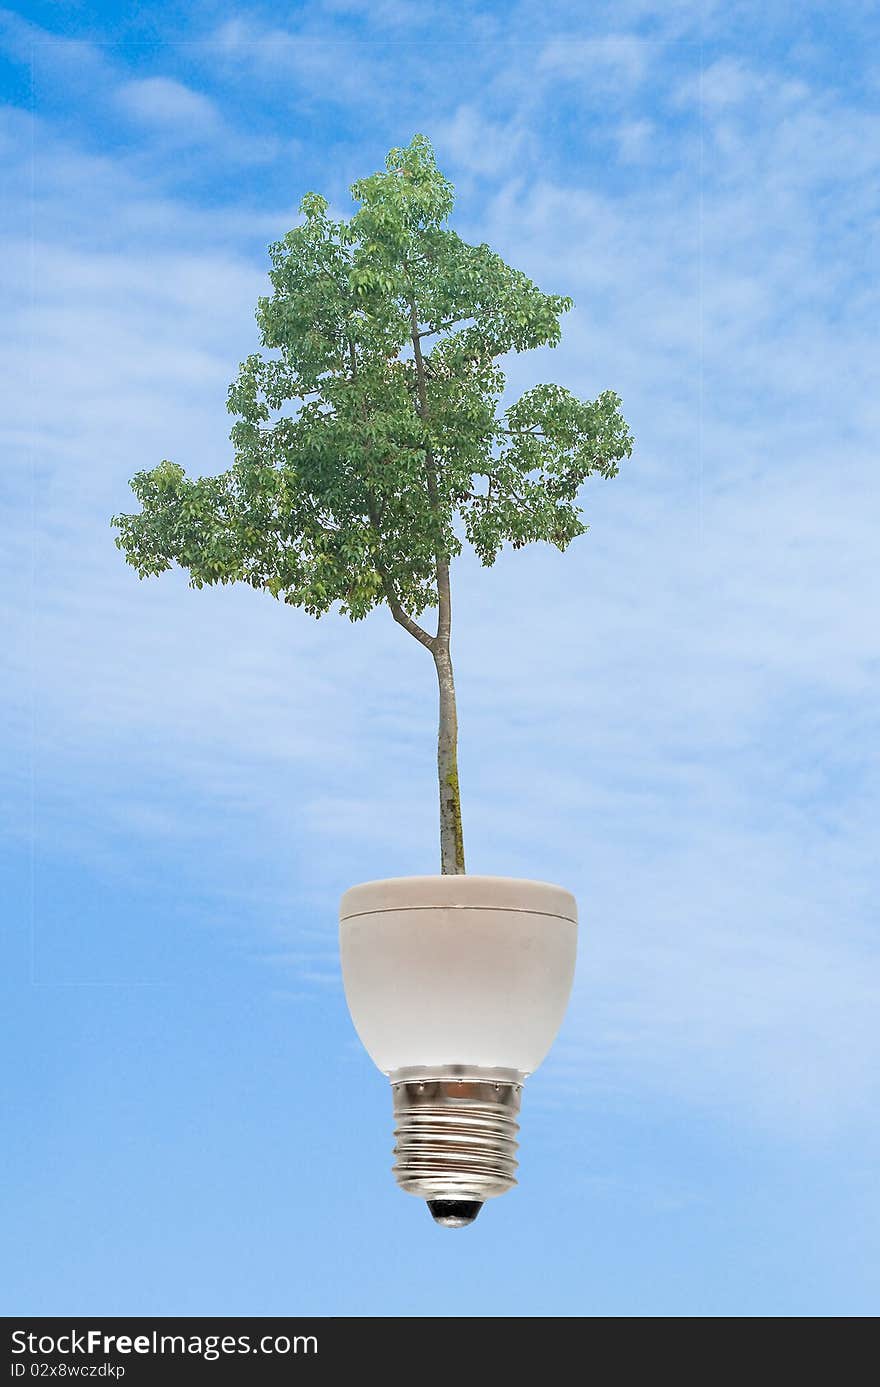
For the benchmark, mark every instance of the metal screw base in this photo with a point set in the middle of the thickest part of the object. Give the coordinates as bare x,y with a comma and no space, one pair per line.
456,1128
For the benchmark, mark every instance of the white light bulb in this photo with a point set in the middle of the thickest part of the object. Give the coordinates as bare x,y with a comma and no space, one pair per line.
457,986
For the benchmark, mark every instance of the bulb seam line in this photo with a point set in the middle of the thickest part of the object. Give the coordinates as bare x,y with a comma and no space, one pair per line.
506,909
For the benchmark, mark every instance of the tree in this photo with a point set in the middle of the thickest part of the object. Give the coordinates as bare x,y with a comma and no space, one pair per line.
386,332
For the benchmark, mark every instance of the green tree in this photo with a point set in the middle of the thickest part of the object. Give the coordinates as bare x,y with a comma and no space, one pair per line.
386,332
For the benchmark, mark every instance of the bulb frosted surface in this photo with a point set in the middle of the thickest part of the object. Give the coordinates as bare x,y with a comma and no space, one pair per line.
466,970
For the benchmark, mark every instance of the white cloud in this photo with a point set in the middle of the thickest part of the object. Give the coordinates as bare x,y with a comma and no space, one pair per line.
170,106
75,61
634,140
603,64
481,146
262,43
732,82
335,69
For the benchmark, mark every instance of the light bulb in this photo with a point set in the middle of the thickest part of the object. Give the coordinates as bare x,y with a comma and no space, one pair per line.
457,986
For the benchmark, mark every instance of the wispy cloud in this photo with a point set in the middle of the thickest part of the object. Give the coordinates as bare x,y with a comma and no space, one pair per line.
170,106
330,68
612,62
74,60
480,145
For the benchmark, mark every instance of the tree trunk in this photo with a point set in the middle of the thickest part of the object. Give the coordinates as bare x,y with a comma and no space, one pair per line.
451,837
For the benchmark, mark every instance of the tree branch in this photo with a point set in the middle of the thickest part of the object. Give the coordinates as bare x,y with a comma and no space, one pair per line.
507,493
441,327
400,616
395,605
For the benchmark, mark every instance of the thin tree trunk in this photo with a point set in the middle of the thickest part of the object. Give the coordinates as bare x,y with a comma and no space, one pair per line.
451,836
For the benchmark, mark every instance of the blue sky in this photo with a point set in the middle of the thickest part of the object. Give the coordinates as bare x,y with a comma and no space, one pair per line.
678,719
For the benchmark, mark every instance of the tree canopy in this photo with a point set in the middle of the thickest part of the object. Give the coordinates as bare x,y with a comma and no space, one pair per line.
369,440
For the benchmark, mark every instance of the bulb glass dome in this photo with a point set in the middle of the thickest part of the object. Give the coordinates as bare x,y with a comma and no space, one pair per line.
458,970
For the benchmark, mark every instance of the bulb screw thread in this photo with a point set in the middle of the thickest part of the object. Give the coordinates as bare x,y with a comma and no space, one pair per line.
456,1131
